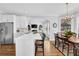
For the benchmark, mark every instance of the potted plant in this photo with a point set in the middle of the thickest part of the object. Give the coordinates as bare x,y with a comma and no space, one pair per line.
68,33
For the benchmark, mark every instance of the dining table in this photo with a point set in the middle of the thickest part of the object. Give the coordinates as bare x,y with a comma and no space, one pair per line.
72,40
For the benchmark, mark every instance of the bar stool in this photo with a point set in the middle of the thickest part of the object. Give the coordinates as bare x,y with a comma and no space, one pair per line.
39,44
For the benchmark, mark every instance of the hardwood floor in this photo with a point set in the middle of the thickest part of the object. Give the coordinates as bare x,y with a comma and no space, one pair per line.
7,50
50,50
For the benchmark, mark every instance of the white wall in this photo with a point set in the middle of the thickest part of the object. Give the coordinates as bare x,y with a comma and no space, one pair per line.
36,20
77,25
52,29
73,24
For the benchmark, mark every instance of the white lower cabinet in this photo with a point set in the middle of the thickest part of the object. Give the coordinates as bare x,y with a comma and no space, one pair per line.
25,45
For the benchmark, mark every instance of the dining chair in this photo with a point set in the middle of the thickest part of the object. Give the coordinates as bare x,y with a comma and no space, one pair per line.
76,52
56,39
75,47
65,45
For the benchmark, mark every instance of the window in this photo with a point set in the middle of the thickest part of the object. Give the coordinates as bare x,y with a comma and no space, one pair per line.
65,25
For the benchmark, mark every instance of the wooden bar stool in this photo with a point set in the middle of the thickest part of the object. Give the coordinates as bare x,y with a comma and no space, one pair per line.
39,44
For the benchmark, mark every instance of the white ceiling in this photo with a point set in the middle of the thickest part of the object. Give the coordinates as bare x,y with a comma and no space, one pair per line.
38,9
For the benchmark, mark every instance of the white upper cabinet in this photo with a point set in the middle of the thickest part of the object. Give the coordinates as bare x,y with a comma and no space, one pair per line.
21,21
6,18
2,19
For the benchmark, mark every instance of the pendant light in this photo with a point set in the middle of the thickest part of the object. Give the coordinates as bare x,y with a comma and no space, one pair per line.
67,17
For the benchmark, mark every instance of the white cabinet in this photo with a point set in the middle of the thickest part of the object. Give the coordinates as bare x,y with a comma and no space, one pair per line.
2,19
6,18
25,45
21,21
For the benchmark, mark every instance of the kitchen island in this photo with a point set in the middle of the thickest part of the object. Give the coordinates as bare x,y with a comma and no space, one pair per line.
25,44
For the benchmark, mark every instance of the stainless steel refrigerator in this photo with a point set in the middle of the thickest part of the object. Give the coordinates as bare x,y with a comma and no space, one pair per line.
6,33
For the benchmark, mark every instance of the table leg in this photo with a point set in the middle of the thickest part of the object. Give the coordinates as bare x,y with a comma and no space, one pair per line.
68,51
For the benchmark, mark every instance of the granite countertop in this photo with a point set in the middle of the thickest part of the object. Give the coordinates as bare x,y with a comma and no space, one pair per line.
18,35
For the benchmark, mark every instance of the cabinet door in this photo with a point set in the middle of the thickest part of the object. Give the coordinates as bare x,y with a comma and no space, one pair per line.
3,18
2,33
6,18
9,19
0,18
9,33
